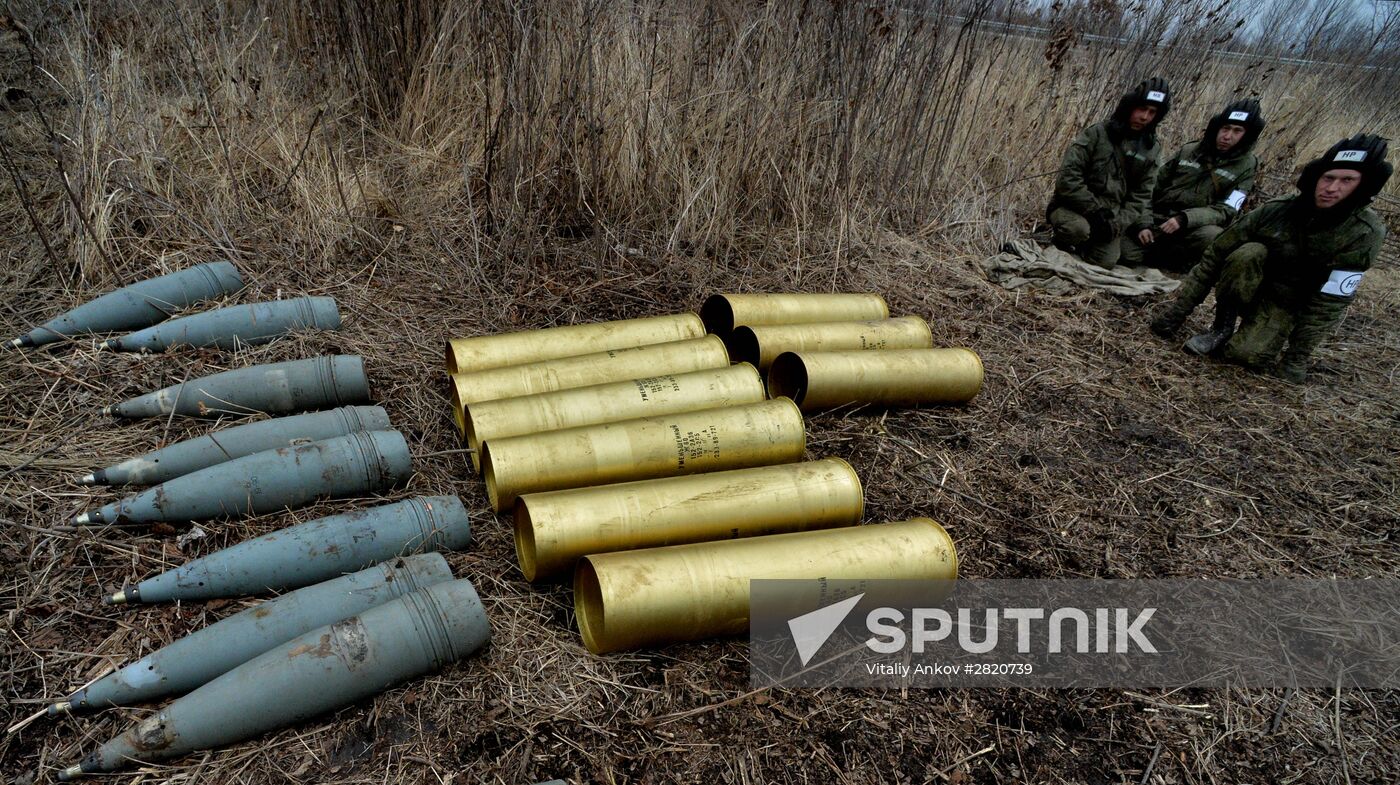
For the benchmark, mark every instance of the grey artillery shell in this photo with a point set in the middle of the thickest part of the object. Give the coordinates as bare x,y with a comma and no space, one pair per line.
226,328
314,673
200,656
139,305
191,455
313,551
275,388
349,465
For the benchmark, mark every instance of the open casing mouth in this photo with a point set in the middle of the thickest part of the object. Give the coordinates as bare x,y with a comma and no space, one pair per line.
468,428
525,553
588,606
787,378
743,346
459,414
718,315
449,357
488,474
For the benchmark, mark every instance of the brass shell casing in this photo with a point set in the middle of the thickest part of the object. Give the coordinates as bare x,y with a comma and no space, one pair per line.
478,353
899,377
735,437
723,312
614,365
554,530
761,344
603,403
656,596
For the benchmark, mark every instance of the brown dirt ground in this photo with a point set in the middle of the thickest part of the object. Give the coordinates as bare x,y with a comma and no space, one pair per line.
1095,450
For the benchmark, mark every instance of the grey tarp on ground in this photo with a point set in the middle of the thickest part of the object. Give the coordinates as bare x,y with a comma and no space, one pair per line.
1024,263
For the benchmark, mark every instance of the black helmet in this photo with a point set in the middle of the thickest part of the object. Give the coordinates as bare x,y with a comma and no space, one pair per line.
1149,92
1364,153
1243,112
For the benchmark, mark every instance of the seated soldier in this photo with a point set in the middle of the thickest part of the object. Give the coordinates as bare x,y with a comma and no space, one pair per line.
1199,191
1106,177
1291,267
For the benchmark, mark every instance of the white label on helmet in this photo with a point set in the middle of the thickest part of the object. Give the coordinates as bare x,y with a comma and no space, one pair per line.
1235,199
1239,115
1156,95
1342,283
1351,155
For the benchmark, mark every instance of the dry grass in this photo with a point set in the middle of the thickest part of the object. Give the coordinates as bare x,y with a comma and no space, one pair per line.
587,161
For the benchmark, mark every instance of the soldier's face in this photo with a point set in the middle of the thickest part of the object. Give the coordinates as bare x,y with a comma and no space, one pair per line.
1334,186
1142,116
1228,136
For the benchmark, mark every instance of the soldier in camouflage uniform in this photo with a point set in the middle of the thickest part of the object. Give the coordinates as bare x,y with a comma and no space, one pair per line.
1107,175
1291,267
1199,191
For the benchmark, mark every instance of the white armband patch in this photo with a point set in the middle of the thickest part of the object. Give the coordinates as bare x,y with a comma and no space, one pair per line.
1342,283
1239,115
1236,199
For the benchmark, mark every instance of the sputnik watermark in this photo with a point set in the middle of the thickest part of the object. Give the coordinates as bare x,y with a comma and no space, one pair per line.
811,630
906,670
890,637
1075,633
1098,630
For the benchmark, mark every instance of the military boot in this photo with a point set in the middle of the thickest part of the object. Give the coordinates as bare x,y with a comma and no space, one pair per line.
1220,331
1168,321
1292,368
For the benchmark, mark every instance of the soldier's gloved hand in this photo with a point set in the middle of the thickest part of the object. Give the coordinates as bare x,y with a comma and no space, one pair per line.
1101,225
1168,320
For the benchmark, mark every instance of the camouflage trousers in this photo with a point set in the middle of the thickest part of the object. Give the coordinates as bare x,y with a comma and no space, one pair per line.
1178,251
1270,318
1071,232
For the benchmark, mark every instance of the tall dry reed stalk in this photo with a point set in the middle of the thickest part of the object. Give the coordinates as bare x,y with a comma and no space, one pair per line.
693,126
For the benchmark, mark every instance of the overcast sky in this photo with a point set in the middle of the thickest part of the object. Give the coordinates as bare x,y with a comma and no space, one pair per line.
1287,13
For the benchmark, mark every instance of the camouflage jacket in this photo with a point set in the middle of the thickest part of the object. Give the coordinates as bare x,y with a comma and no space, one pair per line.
1098,172
1207,189
1315,260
